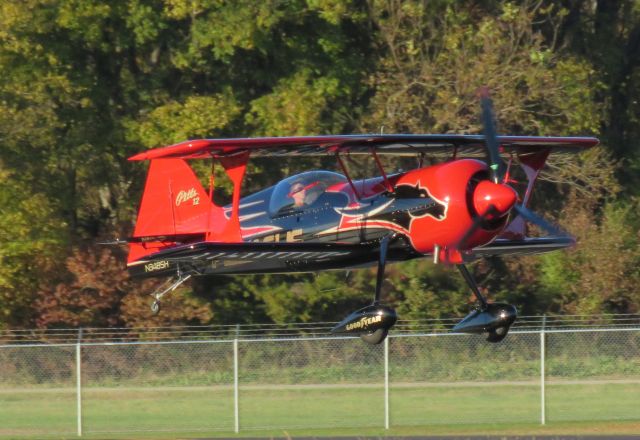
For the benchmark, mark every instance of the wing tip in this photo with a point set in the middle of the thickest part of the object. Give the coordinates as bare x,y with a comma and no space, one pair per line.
139,156
180,149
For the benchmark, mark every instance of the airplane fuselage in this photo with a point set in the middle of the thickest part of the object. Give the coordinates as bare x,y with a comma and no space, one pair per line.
339,223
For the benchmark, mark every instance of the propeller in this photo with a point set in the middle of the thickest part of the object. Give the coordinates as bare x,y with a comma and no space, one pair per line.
491,199
494,199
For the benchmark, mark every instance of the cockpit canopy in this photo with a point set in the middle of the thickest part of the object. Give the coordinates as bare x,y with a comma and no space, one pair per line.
300,191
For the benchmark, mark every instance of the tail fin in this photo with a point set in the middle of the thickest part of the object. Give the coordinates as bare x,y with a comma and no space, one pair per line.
173,203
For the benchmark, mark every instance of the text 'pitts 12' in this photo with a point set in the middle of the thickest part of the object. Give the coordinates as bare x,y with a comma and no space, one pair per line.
452,212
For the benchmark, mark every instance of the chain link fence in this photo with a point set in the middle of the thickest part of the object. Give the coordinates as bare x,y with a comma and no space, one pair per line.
255,384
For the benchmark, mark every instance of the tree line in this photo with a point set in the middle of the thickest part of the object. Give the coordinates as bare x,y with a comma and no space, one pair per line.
86,84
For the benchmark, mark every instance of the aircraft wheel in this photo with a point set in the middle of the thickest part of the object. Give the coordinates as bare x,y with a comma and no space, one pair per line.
497,334
155,307
375,337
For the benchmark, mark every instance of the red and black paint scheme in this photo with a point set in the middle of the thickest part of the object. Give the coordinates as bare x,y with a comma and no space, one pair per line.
452,212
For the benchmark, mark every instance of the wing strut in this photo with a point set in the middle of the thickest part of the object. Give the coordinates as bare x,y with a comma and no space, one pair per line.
346,173
235,167
384,175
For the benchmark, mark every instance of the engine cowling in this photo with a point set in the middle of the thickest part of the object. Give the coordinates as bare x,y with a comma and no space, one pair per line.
464,190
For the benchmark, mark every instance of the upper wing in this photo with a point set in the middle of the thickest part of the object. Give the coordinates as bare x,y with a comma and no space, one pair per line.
395,144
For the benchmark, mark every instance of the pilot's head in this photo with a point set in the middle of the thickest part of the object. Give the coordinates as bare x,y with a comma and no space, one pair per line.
298,193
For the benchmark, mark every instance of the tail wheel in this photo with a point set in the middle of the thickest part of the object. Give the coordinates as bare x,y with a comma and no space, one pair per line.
375,337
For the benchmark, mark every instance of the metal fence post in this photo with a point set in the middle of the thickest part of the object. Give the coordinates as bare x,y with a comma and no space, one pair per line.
543,410
236,405
79,383
386,383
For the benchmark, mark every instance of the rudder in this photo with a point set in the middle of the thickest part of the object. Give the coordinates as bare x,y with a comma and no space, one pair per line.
173,203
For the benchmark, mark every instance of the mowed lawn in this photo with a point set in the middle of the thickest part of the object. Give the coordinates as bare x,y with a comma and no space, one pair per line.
336,408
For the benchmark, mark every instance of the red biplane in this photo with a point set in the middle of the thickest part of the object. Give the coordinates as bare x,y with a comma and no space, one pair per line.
452,212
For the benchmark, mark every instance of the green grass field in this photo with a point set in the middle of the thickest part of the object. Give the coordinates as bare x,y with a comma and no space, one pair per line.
318,410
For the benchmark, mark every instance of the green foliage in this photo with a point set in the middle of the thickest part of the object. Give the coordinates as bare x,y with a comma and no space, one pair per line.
198,116
606,36
222,29
425,290
295,107
85,84
437,56
319,298
31,237
601,274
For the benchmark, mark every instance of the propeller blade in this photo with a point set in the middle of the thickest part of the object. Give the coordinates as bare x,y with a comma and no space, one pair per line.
535,219
477,221
491,138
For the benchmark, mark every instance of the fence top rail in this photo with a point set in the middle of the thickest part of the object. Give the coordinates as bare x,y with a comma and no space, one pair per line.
548,318
300,338
294,330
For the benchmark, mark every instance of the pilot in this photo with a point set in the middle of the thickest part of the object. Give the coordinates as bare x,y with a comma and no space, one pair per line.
298,193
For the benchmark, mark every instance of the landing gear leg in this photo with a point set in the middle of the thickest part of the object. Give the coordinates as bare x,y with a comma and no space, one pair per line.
382,262
371,323
377,336
471,282
494,319
162,291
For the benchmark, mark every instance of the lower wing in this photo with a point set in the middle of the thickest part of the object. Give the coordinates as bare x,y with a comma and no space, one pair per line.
526,246
251,257
258,257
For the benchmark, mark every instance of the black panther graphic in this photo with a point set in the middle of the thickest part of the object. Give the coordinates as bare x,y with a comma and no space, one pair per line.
410,202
